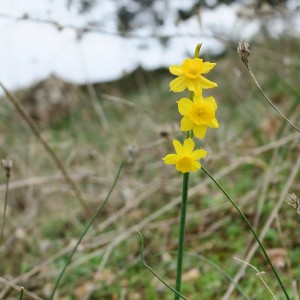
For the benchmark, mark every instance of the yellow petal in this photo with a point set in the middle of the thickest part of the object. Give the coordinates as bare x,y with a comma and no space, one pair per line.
184,106
200,131
206,84
193,84
207,66
198,97
197,154
170,159
178,84
197,63
175,70
196,166
178,147
186,65
186,124
214,123
188,146
211,100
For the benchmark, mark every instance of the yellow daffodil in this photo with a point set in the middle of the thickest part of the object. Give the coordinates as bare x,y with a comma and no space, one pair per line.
185,158
198,115
189,75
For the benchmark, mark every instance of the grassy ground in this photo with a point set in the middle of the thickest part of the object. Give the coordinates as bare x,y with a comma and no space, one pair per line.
252,155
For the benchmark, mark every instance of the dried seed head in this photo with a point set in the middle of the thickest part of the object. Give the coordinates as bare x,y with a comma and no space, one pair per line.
294,202
7,164
131,153
244,51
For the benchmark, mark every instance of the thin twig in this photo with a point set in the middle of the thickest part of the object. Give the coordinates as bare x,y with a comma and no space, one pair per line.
259,274
270,102
7,165
258,239
266,227
244,52
265,186
18,288
98,212
93,95
21,109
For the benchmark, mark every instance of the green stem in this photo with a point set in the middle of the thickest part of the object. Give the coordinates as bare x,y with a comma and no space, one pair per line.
21,293
185,185
252,230
86,230
197,50
153,272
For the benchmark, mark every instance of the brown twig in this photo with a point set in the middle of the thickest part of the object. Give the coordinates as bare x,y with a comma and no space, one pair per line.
244,52
21,109
18,288
6,165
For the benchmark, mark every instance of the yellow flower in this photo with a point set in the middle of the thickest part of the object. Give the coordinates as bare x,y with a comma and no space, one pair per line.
185,158
189,75
198,115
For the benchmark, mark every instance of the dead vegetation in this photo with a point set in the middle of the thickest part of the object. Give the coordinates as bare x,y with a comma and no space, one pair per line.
254,155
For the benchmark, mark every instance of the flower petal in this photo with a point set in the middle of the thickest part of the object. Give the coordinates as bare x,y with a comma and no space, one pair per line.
198,97
211,100
200,131
206,84
170,159
188,146
186,65
178,147
193,85
214,123
197,154
196,166
184,106
175,70
186,124
178,84
197,63
206,67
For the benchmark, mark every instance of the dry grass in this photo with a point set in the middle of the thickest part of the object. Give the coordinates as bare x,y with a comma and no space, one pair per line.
254,154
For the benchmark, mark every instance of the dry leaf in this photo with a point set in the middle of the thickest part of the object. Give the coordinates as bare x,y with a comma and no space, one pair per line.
278,257
191,275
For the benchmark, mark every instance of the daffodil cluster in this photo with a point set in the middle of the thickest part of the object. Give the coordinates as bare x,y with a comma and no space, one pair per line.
198,113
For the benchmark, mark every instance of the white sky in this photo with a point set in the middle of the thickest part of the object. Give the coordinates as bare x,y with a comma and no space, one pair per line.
31,51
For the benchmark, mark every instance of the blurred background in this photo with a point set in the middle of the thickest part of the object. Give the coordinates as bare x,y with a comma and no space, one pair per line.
98,41
93,75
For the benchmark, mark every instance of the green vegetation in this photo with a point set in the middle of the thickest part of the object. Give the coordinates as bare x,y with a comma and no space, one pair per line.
252,155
